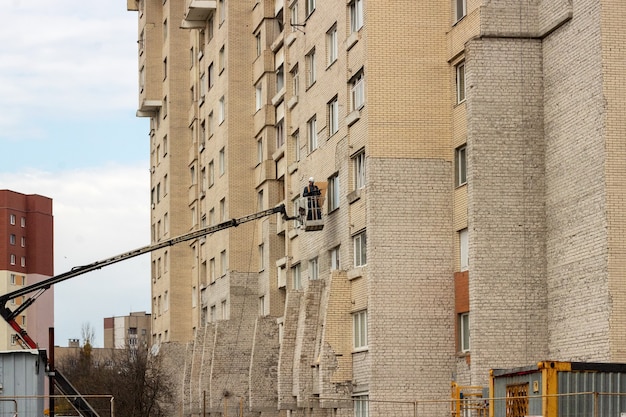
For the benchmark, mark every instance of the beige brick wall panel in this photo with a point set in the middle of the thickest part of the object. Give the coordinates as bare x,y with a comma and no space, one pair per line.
506,207
462,31
264,365
410,261
407,91
460,208
286,360
613,14
576,189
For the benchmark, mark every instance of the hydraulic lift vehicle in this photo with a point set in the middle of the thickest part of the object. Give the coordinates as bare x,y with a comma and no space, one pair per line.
63,385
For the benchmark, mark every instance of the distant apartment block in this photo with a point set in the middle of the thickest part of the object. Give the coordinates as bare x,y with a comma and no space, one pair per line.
470,159
26,257
132,331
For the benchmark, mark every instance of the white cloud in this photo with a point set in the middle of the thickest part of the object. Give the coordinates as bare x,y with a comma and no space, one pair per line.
81,60
98,213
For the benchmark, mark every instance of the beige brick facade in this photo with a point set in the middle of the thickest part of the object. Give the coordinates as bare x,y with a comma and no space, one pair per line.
472,139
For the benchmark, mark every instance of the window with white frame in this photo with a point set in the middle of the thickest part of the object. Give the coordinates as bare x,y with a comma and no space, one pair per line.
222,161
314,269
259,150
333,192
460,166
310,7
359,170
211,176
361,405
296,277
280,77
259,200
460,82
222,59
222,110
12,259
280,133
310,68
333,116
293,16
258,94
12,219
223,263
261,257
464,249
212,276
312,133
259,45
23,261
223,209
357,91
356,15
334,258
224,310
359,329
262,306
360,249
295,80
296,145
210,124
464,332
203,85
331,45
12,239
222,10
460,9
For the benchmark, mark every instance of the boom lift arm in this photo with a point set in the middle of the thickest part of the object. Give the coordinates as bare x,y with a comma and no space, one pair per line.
39,288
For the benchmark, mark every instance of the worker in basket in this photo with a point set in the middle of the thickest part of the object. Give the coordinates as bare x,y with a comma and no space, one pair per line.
312,193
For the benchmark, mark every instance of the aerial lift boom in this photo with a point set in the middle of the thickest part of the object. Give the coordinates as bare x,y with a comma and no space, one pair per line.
40,287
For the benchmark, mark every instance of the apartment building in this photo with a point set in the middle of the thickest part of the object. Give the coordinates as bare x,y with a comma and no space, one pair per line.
26,245
132,331
469,153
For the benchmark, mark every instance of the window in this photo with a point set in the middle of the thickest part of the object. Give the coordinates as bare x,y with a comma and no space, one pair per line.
356,15
361,405
331,45
261,257
262,305
357,91
12,239
223,265
460,166
360,249
12,259
459,9
294,16
296,211
310,7
211,173
259,46
464,335
212,270
280,133
222,10
210,27
222,110
334,259
280,77
211,125
164,145
259,200
12,219
212,314
296,144
165,68
166,305
23,261
463,249
460,82
23,240
212,216
194,298
259,150
258,89
223,209
310,68
222,161
295,80
359,327
211,75
333,116
333,193
359,170
224,310
312,132
222,59
165,29
192,176
314,269
296,277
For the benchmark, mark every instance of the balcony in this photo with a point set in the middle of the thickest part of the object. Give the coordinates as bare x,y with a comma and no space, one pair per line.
149,108
197,12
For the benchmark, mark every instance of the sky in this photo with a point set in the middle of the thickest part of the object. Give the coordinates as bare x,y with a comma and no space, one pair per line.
68,131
